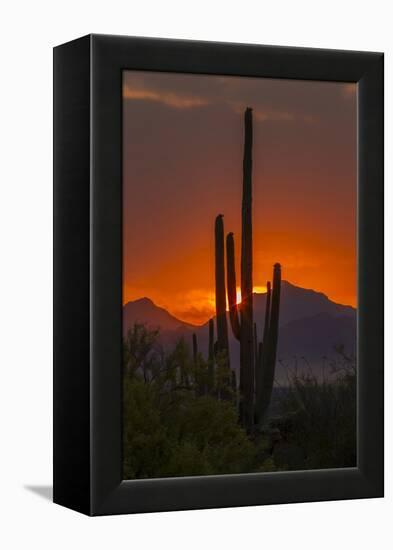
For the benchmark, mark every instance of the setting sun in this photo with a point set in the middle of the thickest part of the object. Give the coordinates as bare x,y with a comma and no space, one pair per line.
257,289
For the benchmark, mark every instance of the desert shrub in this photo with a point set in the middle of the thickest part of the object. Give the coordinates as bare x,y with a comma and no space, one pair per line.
169,428
175,423
318,418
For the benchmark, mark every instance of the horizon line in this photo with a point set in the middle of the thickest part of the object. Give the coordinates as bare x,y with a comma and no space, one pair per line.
166,309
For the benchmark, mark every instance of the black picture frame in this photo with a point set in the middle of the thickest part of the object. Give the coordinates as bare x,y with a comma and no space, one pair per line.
88,275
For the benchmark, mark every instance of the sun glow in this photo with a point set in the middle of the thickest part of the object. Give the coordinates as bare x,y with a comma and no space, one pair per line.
256,289
259,289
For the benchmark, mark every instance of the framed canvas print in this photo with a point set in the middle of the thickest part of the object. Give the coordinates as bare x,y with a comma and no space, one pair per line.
218,275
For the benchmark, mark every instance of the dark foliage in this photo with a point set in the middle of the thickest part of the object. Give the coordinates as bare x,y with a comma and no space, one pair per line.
172,426
316,427
176,423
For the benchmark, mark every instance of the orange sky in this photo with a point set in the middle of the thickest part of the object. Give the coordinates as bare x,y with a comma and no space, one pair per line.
182,165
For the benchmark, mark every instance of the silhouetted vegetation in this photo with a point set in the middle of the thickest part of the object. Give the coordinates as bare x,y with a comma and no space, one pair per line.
176,423
316,427
257,359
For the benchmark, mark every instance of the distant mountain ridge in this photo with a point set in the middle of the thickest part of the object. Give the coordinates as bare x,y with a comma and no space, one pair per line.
145,311
296,303
311,326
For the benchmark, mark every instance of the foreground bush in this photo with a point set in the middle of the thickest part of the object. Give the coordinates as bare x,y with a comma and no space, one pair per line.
317,422
169,428
178,422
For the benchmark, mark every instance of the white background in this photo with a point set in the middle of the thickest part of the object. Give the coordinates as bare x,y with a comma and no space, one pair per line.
29,30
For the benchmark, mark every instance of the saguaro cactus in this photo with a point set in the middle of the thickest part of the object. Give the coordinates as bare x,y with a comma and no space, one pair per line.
221,316
243,327
231,287
257,360
267,354
260,349
267,312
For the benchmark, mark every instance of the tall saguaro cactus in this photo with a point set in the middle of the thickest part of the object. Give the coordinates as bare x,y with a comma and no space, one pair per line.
257,360
266,362
243,327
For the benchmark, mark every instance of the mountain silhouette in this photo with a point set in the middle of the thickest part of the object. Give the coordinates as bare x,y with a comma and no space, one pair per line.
145,311
311,327
298,303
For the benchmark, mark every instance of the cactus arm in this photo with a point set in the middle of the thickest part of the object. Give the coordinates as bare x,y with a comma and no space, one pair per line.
269,357
267,313
231,287
260,362
274,315
221,316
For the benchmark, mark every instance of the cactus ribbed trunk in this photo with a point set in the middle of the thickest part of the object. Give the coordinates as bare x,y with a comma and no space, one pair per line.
231,285
267,313
221,317
261,358
222,343
269,351
246,310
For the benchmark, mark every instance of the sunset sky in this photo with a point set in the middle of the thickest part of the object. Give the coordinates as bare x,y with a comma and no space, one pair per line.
182,165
